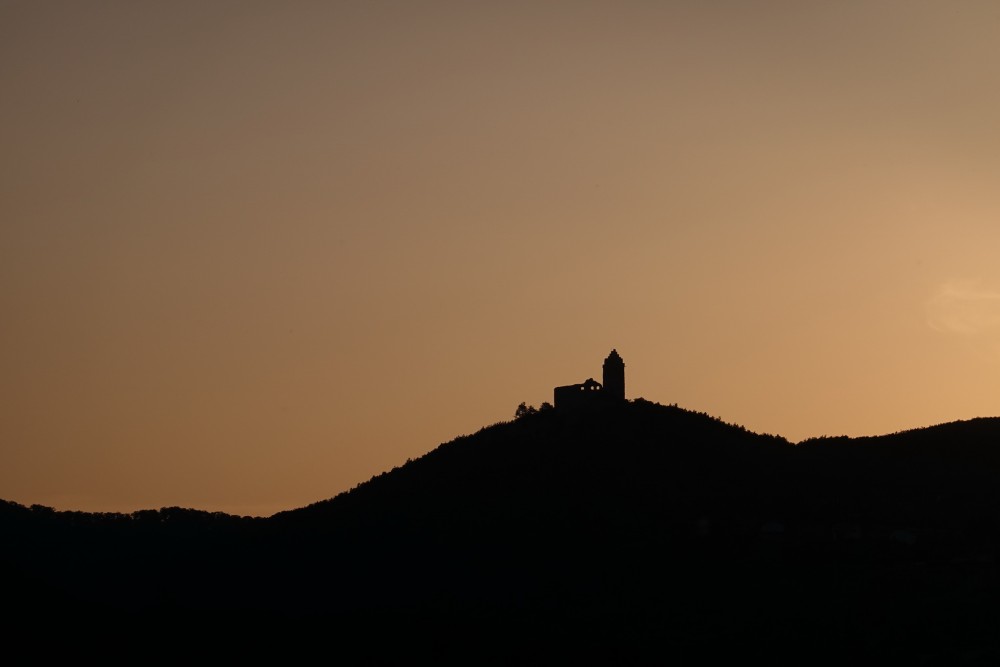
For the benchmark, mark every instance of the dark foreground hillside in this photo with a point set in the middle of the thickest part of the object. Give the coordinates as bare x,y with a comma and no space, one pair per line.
637,530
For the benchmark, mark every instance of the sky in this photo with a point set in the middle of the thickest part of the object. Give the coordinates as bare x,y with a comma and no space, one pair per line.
254,253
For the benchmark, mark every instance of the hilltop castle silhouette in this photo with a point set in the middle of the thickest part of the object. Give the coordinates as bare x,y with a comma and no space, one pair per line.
591,392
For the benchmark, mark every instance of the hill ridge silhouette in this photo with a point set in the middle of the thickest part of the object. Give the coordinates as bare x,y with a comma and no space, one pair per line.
631,522
925,435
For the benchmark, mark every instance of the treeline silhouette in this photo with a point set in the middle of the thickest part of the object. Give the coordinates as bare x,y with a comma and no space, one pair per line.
620,531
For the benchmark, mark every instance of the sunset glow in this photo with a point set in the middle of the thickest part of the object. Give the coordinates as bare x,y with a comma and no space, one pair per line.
253,253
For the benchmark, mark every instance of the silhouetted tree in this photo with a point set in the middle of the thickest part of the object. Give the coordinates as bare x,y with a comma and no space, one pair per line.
524,409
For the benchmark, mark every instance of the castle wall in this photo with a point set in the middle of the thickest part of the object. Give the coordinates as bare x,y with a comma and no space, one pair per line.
578,395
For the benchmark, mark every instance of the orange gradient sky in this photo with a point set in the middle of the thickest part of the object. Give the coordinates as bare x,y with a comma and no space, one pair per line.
252,253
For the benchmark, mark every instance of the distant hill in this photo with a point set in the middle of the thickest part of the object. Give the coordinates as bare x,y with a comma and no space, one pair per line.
622,529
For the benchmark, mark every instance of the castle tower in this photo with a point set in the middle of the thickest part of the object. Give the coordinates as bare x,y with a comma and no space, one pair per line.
614,377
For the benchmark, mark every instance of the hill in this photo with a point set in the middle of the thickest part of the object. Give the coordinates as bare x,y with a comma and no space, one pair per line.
623,529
